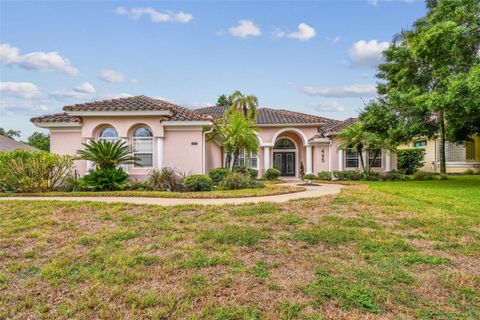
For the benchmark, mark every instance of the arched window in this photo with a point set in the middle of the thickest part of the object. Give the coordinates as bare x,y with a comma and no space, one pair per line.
143,147
284,144
108,133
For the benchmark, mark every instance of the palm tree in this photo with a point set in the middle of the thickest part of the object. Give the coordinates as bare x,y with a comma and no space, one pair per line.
10,133
107,154
247,105
239,134
355,137
377,143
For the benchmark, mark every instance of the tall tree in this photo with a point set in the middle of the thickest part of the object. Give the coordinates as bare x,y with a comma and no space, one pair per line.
10,133
224,101
422,63
247,105
40,141
239,134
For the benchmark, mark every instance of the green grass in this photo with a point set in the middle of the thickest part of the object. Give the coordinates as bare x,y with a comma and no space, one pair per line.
390,250
269,190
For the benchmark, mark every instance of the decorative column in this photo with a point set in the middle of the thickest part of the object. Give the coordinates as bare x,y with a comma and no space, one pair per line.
266,158
89,163
340,159
124,166
160,153
308,156
364,157
388,161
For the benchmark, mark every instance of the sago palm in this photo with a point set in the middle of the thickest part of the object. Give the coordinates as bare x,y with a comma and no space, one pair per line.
107,154
247,105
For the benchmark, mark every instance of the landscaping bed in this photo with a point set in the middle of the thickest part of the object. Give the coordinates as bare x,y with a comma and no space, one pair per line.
269,190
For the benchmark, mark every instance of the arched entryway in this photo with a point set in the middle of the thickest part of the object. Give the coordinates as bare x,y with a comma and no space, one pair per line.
285,156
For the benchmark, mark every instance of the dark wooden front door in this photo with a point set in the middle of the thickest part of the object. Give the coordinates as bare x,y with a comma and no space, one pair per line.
285,162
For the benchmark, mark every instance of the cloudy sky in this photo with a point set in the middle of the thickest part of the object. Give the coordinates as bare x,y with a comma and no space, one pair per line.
314,57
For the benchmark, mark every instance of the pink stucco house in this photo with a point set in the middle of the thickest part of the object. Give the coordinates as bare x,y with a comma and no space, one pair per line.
163,134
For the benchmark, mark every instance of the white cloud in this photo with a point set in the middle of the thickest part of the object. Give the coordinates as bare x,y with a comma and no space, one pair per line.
112,76
13,108
85,87
245,29
367,53
335,39
155,16
66,95
354,90
40,61
327,106
26,90
304,33
373,2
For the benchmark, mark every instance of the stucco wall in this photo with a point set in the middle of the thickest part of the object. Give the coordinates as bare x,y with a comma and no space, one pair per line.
91,126
213,156
320,163
180,153
67,143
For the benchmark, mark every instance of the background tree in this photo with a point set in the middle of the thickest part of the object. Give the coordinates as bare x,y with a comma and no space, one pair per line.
224,101
422,66
247,105
40,141
10,133
239,134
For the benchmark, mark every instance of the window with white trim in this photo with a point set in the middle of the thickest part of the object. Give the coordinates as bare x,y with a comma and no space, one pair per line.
249,159
377,163
109,134
143,147
420,144
351,158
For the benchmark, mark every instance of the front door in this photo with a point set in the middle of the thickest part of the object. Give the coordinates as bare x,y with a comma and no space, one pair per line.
285,162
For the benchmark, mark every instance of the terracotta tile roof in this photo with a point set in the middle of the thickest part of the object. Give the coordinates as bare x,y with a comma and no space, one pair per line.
270,116
9,144
334,126
138,103
57,117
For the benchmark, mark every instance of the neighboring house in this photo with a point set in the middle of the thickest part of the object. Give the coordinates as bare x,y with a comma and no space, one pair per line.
459,157
9,144
163,134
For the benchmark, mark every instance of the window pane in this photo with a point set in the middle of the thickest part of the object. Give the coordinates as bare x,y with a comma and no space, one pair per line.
108,134
284,144
377,163
143,145
351,158
146,159
420,143
142,132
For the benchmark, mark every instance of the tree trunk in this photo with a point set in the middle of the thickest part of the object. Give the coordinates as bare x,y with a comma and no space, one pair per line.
443,166
228,160
236,155
360,153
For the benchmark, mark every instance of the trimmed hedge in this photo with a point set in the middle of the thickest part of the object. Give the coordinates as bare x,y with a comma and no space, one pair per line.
410,160
324,175
198,182
272,174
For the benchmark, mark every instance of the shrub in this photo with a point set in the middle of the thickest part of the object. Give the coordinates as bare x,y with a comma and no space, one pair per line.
469,172
422,175
272,174
166,179
198,182
25,171
373,176
252,173
309,176
141,186
410,160
348,175
218,174
255,184
394,176
235,181
324,175
106,179
302,170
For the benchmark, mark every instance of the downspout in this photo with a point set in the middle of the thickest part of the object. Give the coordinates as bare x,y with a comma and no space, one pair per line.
203,148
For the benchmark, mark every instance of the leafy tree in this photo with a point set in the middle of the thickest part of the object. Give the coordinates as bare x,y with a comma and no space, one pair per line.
239,134
40,141
107,154
10,133
423,68
224,101
247,105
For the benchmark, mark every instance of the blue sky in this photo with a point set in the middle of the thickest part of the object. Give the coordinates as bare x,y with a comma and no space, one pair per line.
316,57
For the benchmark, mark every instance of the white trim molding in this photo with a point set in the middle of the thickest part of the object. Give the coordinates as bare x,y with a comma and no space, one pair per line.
160,153
299,132
340,159
266,158
170,123
388,161
308,156
58,124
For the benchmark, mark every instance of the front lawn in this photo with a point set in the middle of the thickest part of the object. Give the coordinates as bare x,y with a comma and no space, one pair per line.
390,250
269,190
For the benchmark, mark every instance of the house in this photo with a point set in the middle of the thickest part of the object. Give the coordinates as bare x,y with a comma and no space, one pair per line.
9,144
458,157
164,134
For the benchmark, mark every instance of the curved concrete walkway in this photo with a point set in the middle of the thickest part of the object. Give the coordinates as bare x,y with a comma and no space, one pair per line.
311,192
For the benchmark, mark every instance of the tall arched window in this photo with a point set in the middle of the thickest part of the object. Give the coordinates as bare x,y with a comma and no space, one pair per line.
108,133
143,147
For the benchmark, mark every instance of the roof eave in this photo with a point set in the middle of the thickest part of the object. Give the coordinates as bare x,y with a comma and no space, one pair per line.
121,113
